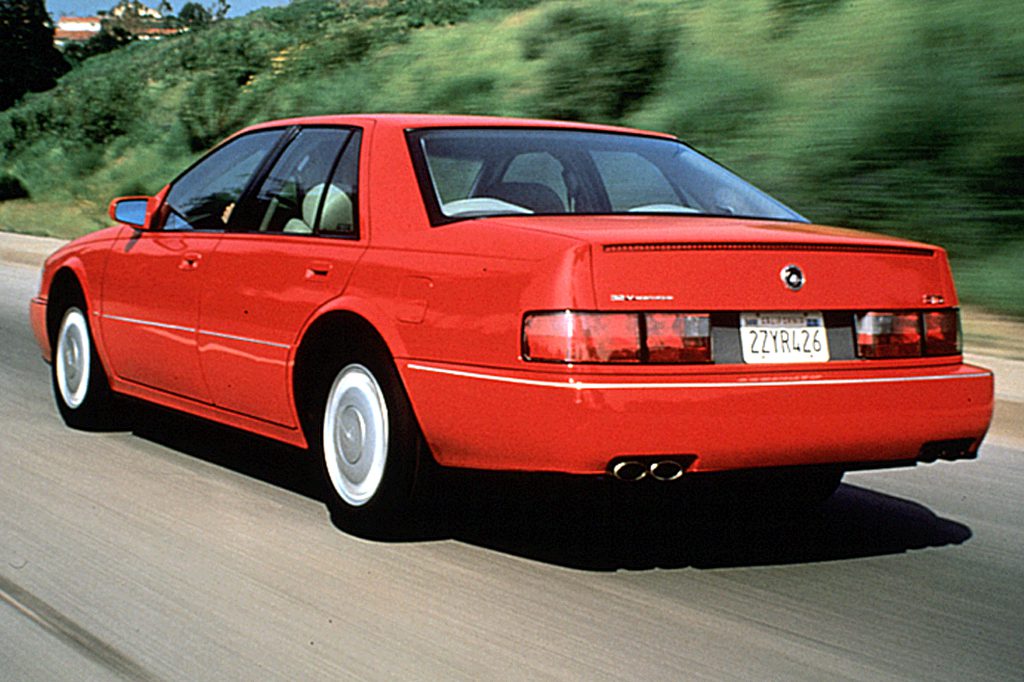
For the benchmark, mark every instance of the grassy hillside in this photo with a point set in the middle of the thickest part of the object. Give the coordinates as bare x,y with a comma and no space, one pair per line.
893,115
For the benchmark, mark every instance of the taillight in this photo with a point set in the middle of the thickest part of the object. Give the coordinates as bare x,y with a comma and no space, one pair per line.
942,332
570,336
888,335
676,337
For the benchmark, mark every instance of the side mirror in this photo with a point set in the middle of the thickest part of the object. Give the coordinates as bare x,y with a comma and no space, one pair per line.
130,211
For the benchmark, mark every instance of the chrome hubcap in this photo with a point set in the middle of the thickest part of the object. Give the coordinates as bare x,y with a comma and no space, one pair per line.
73,358
355,437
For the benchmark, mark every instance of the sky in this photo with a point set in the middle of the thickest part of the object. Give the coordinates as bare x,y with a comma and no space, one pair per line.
85,8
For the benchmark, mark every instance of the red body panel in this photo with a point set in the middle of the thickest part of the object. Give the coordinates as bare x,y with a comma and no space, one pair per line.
149,312
249,320
556,422
210,323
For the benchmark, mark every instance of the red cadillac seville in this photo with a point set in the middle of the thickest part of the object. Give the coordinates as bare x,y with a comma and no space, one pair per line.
394,291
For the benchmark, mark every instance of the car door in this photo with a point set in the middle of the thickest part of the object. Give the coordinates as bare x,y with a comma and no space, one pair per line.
153,278
290,248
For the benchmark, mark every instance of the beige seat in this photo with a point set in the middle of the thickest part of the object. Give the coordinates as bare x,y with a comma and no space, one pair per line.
336,217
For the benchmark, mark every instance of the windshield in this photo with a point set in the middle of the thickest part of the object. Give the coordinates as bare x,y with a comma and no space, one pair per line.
477,172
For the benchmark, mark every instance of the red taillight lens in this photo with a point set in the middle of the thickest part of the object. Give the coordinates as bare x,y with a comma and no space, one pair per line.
942,332
582,337
888,335
676,337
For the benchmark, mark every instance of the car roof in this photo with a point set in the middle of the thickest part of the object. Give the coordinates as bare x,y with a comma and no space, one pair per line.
420,121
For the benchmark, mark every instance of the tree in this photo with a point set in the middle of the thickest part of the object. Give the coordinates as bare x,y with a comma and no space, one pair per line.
30,62
194,15
221,10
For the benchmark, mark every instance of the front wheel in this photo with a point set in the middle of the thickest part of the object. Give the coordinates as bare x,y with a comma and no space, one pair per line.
371,447
79,383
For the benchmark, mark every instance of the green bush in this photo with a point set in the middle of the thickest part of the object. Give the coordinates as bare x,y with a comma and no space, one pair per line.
419,13
102,107
209,111
599,63
706,100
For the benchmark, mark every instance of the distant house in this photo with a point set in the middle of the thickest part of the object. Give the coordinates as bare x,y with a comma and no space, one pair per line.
76,29
139,20
135,9
158,32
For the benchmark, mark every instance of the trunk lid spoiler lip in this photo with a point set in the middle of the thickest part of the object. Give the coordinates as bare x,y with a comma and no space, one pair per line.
624,233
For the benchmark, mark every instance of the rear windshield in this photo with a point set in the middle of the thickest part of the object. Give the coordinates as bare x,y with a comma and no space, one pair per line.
477,172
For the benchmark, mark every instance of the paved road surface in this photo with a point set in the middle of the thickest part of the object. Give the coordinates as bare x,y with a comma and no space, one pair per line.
184,551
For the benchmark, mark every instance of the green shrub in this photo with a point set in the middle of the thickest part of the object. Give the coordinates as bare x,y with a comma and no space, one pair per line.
599,63
102,107
706,100
419,13
209,111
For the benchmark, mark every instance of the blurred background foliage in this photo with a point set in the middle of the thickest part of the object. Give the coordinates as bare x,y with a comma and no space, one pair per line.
891,115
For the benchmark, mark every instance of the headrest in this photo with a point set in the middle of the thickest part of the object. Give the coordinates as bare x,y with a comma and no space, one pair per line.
337,213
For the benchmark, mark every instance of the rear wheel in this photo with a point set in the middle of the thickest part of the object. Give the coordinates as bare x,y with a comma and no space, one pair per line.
80,385
371,448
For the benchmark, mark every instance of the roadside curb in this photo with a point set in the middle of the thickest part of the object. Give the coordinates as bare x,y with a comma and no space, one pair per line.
25,249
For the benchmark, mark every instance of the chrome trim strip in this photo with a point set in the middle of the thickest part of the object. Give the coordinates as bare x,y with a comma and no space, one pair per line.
221,335
163,325
149,323
583,386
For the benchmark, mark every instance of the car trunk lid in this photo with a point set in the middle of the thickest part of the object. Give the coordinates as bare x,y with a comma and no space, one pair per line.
699,263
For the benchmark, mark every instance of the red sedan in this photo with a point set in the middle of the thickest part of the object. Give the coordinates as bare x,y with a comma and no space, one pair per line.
393,291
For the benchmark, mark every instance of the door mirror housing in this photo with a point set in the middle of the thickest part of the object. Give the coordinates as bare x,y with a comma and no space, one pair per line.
134,211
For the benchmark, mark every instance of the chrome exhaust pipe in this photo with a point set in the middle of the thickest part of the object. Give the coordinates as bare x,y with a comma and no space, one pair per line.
666,470
629,470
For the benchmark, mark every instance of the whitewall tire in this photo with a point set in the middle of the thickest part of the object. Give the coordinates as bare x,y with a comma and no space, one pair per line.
80,385
73,360
355,435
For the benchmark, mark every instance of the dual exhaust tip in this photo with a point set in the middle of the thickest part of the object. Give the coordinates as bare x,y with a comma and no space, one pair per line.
636,470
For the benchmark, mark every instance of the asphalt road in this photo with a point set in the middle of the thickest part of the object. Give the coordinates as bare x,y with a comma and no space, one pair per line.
181,550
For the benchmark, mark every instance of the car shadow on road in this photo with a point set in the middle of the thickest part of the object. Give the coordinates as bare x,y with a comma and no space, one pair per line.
596,524
606,526
267,460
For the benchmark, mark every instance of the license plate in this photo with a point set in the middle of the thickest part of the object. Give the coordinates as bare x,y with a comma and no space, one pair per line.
783,337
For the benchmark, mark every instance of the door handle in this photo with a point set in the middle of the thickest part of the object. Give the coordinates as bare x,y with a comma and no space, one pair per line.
318,270
190,261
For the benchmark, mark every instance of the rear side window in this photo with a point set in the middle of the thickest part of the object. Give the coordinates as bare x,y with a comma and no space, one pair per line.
288,200
204,196
339,208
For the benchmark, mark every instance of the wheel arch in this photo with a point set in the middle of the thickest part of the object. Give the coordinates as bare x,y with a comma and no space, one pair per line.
330,335
65,287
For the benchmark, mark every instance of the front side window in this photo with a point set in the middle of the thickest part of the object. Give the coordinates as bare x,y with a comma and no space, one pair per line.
204,196
479,172
298,196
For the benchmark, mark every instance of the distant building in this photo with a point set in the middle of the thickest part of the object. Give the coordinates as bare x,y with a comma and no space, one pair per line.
135,9
76,29
141,21
158,32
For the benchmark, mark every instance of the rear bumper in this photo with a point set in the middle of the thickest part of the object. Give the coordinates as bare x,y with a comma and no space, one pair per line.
538,421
